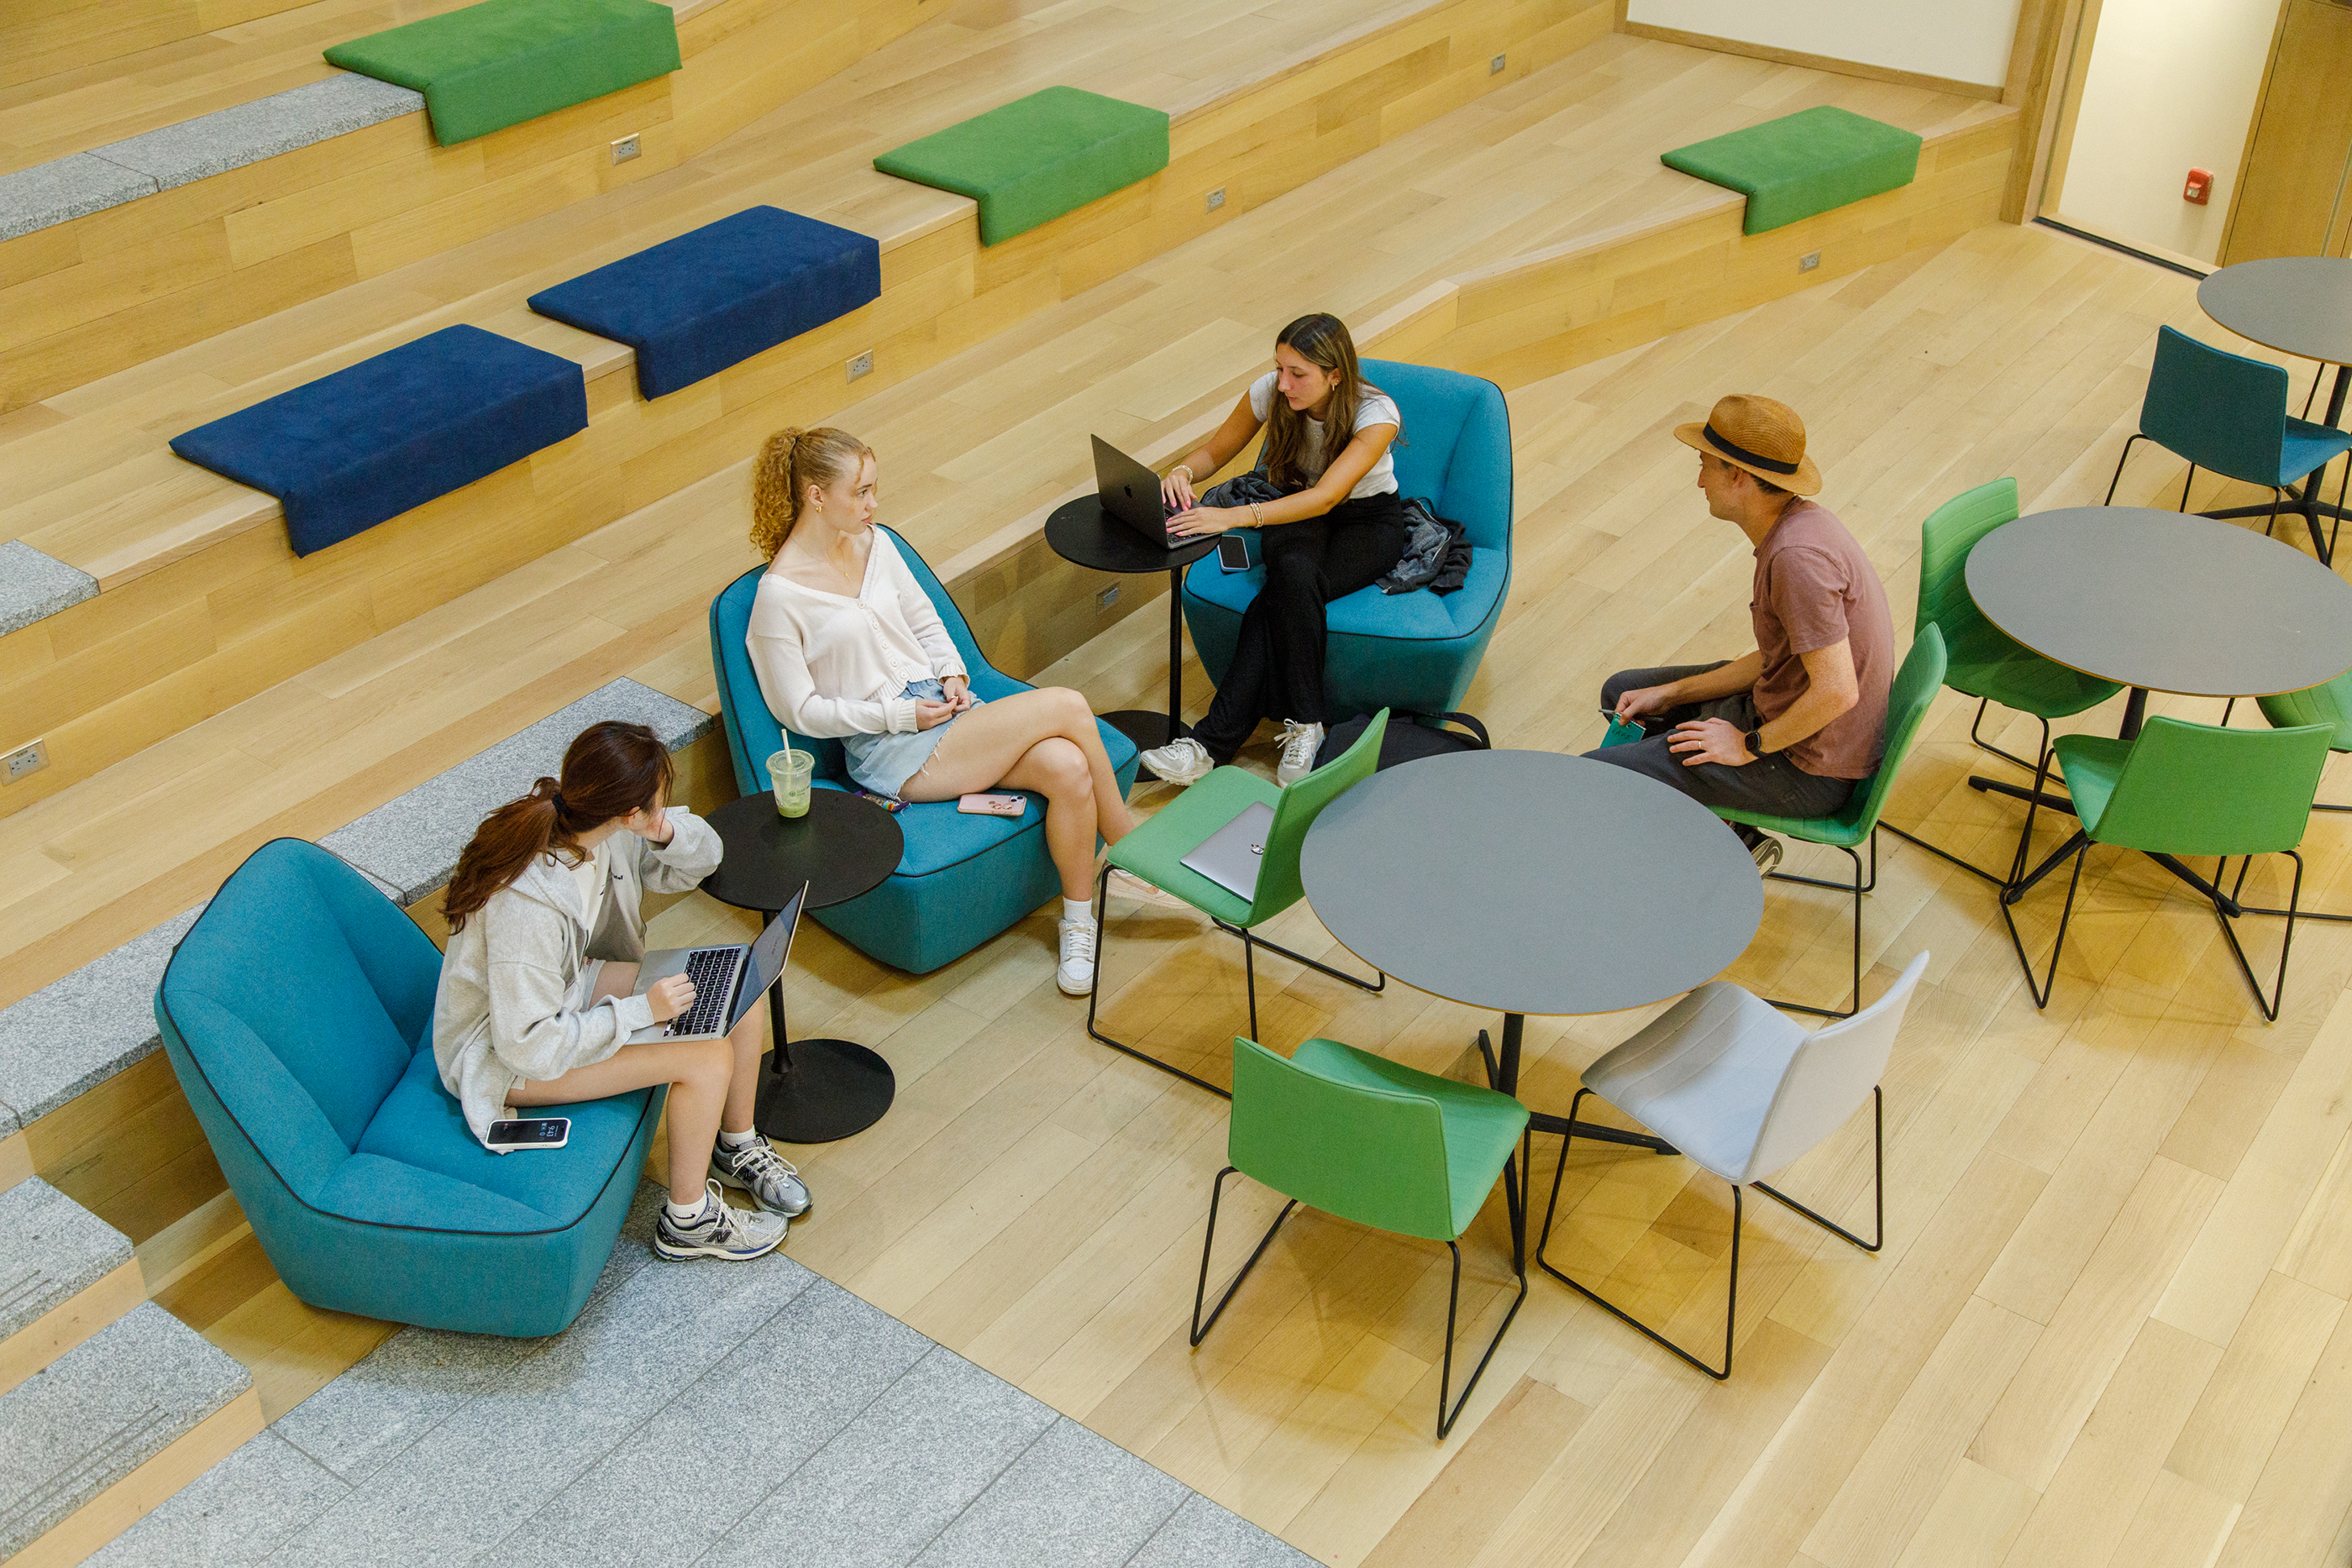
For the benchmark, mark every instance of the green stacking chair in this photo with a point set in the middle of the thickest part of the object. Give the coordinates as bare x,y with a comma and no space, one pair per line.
2188,789
1155,853
2330,704
1915,688
1365,1140
1981,660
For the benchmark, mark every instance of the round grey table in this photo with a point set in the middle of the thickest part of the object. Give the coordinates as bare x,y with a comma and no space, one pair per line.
2299,305
2162,601
1530,881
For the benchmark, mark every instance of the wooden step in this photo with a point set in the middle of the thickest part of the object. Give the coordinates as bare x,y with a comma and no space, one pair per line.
201,601
111,1429
64,1275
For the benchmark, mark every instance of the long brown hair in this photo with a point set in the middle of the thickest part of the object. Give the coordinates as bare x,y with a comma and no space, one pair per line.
789,463
611,769
1322,341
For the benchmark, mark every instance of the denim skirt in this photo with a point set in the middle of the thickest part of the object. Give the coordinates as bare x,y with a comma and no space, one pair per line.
883,763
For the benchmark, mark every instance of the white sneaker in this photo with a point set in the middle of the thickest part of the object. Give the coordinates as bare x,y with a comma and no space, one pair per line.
1300,742
1075,973
1181,761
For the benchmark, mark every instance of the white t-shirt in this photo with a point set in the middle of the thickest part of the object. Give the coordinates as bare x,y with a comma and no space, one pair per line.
591,875
1373,408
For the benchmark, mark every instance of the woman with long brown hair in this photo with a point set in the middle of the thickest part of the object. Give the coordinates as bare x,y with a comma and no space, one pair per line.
1338,525
539,987
846,645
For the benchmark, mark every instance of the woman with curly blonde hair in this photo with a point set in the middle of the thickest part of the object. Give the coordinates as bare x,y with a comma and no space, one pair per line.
846,645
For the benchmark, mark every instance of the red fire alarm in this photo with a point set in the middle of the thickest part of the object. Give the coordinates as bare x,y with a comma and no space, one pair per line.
2200,189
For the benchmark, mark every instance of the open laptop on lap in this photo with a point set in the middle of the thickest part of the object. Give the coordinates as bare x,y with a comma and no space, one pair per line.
728,979
1130,492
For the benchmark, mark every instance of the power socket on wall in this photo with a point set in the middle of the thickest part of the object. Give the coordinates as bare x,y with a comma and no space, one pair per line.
626,148
24,759
861,365
1495,66
1216,198
1810,260
1106,597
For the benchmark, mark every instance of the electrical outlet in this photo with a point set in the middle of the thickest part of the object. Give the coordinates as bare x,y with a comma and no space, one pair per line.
1216,198
1810,260
626,148
1103,600
861,365
30,759
1495,66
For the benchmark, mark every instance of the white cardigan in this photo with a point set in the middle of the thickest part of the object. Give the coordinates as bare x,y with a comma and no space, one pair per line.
830,666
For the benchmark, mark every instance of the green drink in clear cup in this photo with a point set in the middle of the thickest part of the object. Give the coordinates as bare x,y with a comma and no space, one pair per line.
789,772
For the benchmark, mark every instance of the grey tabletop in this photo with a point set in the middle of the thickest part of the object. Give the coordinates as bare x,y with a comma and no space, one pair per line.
2170,601
2296,304
1530,882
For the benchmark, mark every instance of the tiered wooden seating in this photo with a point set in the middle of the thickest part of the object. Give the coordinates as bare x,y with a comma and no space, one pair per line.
118,288
201,603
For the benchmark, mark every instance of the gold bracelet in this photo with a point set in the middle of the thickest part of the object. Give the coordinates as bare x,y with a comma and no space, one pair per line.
1183,468
1258,516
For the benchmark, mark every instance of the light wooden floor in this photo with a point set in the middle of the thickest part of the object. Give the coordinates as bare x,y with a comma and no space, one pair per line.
2108,1327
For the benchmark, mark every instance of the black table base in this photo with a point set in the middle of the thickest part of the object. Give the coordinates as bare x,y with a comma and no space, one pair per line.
2304,499
824,1090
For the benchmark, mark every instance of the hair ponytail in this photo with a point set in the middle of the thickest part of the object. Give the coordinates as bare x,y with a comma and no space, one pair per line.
789,462
609,771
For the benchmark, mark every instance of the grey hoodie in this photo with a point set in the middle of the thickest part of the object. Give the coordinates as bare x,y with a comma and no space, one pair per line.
502,1012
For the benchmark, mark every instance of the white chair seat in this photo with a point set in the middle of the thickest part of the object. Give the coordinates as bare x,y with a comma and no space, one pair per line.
1703,1074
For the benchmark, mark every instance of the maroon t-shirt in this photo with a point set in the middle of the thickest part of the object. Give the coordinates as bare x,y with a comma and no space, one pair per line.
1814,587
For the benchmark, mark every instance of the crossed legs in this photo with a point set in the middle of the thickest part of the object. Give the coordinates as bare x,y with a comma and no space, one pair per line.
713,1083
1043,741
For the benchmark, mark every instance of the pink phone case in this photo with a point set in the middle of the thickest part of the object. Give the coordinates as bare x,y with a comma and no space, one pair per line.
989,805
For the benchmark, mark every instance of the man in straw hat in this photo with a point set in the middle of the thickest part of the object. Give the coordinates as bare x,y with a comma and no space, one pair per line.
1788,728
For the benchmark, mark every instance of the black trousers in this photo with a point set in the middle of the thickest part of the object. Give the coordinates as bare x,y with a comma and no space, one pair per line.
1770,785
1277,668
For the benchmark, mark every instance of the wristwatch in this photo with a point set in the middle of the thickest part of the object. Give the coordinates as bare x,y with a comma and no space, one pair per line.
1755,739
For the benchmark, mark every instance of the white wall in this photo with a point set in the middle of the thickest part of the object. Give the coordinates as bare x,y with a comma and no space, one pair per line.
1964,41
2172,87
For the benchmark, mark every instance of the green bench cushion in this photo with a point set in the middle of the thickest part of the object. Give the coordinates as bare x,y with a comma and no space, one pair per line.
504,61
1037,157
1803,163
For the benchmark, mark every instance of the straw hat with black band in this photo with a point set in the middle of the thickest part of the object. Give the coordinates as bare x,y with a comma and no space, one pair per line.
1756,434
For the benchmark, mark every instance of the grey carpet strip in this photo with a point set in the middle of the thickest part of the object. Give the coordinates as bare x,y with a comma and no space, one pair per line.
699,1413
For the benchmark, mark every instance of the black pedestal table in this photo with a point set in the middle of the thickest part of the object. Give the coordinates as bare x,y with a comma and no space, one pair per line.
1530,881
817,1089
2299,305
2159,602
1083,534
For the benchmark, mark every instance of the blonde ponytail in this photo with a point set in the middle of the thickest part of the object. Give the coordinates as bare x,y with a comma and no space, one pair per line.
789,463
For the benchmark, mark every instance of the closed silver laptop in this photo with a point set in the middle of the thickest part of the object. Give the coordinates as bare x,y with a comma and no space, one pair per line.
728,979
1230,856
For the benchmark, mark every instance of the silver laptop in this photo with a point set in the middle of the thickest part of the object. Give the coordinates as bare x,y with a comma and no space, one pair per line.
1230,856
729,980
1130,492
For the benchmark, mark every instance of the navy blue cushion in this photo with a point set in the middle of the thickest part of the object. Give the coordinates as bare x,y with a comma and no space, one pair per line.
346,451
692,306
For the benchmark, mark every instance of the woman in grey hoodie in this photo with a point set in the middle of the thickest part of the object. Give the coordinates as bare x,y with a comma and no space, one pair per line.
538,995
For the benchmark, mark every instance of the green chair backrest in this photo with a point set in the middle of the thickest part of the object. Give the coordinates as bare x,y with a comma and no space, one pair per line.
2199,789
1278,886
2329,705
1948,536
1376,1156
1907,700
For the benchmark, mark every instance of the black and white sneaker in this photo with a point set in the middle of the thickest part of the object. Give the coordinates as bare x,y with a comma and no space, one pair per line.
756,1168
736,1235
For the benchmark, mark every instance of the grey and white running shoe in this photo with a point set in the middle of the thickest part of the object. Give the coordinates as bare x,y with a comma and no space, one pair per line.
736,1235
1300,742
1184,760
772,1180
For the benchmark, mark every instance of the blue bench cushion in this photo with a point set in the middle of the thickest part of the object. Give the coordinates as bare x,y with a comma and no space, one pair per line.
347,451
692,306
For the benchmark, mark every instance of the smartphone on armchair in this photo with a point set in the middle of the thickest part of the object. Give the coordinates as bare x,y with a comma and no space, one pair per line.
1233,552
538,1133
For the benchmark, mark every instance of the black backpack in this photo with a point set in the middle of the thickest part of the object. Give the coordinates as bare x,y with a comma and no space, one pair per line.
1410,737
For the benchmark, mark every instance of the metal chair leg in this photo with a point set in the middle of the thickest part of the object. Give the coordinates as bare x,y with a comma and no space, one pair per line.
2080,844
1857,887
2184,487
2120,460
1199,1292
2040,778
1376,985
1739,1218
2293,912
1093,1001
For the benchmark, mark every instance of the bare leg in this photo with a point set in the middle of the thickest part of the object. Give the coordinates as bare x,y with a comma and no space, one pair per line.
698,1073
743,1088
986,743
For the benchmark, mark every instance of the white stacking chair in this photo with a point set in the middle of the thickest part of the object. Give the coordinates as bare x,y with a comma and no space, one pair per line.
1737,1087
